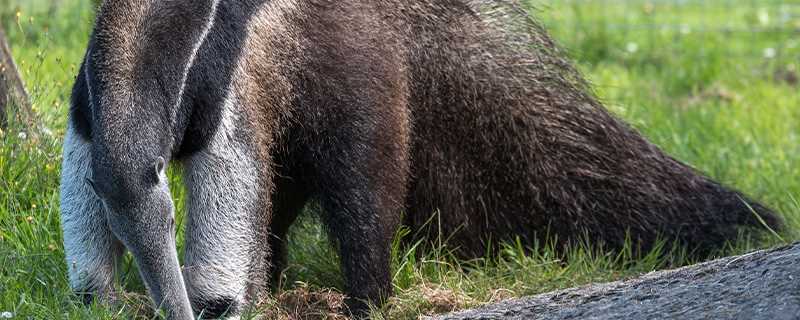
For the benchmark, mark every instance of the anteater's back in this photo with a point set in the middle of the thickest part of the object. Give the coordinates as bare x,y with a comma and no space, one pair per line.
509,141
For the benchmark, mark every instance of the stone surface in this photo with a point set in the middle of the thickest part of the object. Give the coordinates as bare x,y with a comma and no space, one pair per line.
758,285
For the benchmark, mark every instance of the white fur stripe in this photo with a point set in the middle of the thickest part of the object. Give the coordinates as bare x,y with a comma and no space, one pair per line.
86,61
190,63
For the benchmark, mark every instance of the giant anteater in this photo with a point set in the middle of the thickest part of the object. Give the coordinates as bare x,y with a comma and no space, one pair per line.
465,108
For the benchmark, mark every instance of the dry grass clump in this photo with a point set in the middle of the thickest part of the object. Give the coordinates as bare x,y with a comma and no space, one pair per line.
305,303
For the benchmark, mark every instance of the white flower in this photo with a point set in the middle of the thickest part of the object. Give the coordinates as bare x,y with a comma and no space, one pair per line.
763,17
632,47
769,53
6,315
22,135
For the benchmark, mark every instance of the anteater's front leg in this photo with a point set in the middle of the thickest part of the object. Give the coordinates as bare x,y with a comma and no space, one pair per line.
91,249
363,170
226,238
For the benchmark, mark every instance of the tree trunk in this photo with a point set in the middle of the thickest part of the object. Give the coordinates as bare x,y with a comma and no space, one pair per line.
12,89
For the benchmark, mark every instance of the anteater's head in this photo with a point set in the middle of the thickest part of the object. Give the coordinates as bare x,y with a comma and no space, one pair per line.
135,69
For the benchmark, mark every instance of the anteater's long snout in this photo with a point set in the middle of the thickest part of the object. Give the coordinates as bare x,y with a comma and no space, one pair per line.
147,229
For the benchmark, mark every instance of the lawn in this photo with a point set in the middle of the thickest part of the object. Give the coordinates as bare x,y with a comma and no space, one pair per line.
713,82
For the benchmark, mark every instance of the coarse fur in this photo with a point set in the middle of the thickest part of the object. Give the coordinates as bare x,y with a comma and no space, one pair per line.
461,108
92,250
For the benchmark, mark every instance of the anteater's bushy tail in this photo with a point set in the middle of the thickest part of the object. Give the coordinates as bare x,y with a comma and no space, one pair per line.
509,141
725,215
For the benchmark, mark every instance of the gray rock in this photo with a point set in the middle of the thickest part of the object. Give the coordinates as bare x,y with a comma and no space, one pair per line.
758,285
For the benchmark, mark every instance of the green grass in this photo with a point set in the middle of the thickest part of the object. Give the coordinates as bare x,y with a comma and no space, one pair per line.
712,94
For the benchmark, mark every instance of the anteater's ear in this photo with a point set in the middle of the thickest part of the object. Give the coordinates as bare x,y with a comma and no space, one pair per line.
161,164
159,167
